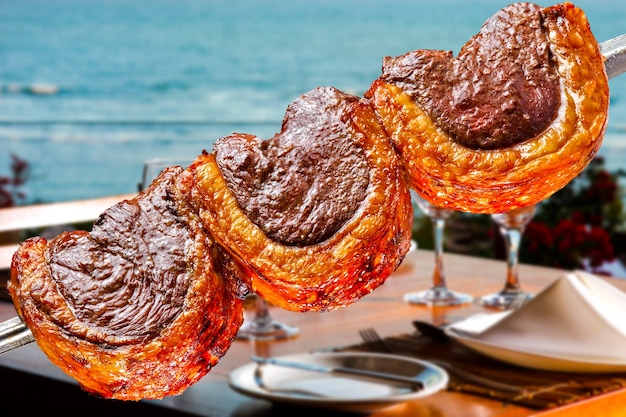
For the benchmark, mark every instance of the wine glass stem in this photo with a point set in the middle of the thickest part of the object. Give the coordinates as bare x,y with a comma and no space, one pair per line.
261,312
439,280
512,239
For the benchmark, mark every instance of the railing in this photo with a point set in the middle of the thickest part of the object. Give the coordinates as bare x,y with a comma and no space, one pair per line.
15,219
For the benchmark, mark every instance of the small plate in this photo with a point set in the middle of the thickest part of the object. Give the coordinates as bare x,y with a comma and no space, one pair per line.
283,385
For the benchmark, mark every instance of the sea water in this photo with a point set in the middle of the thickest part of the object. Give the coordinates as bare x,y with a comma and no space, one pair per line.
89,90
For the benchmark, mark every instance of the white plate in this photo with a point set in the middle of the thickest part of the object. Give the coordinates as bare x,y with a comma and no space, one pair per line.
306,388
538,360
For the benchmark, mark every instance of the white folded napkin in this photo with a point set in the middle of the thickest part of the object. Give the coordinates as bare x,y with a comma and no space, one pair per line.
580,317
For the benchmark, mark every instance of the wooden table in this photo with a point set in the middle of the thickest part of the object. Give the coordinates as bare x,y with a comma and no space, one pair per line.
383,309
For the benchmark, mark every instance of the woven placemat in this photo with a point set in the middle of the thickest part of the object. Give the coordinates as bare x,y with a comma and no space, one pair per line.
539,389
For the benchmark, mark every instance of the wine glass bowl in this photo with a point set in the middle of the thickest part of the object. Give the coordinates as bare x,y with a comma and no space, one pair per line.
438,294
511,225
153,167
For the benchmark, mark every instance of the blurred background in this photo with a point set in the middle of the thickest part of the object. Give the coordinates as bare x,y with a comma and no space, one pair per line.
89,90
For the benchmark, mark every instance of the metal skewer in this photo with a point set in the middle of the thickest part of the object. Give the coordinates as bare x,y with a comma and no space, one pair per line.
14,333
614,51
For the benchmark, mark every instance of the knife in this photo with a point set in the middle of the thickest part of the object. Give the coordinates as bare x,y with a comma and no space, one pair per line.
345,371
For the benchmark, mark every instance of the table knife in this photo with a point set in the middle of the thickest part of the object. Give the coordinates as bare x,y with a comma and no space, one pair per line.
344,371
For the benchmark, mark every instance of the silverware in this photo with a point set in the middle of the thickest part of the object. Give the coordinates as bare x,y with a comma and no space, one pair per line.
375,339
344,371
258,379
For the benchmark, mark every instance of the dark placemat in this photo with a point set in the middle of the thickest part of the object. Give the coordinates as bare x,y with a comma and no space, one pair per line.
537,389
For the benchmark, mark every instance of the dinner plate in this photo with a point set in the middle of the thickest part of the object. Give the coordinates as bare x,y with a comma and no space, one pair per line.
538,360
296,387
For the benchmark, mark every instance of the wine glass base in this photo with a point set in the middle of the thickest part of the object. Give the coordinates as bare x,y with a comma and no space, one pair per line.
267,331
501,300
438,297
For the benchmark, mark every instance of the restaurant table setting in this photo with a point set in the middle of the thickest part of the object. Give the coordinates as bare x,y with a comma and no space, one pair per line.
471,373
463,376
574,325
564,344
346,381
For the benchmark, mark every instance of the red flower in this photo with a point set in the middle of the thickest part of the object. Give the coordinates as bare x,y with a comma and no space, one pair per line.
539,236
9,185
566,245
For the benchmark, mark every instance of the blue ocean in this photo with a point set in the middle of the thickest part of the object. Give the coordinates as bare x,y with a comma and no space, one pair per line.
90,89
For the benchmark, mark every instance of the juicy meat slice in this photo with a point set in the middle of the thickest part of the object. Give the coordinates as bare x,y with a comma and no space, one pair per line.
318,216
137,308
501,89
303,184
500,96
346,210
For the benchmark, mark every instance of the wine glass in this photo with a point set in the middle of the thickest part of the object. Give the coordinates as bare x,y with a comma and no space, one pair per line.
153,167
262,326
438,294
511,225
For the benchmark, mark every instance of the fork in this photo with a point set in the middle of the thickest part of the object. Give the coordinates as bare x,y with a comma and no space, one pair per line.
373,341
376,343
